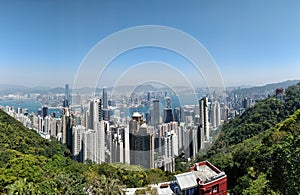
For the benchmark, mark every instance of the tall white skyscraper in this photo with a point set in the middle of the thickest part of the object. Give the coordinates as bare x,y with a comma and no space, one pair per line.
100,141
215,114
77,142
89,145
127,146
180,136
169,145
95,113
94,137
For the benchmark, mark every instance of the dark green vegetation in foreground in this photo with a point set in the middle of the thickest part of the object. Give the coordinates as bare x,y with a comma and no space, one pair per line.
260,150
31,164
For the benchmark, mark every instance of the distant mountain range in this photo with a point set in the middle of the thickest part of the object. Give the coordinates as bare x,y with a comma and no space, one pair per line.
9,89
264,89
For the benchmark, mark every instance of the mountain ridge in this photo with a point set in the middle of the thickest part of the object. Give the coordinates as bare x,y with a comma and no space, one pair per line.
6,88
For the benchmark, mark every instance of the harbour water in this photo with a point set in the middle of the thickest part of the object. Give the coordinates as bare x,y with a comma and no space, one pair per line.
32,106
177,101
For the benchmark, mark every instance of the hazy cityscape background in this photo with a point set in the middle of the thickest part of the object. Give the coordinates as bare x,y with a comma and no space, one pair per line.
152,84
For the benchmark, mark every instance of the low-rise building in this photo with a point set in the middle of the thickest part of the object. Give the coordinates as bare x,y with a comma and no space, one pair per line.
203,179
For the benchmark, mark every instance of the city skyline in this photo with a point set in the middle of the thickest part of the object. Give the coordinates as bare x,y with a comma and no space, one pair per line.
252,43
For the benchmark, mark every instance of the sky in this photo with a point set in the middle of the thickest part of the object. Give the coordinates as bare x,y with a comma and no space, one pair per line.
45,43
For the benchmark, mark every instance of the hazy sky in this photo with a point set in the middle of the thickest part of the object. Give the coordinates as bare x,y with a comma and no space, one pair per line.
252,42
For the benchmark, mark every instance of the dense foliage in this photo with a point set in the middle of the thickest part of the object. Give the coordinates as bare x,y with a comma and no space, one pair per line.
259,151
31,164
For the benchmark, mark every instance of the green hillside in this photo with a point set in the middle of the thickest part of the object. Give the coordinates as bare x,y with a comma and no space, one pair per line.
259,151
30,164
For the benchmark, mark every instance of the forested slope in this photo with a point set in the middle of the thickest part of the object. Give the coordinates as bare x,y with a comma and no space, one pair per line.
259,151
30,164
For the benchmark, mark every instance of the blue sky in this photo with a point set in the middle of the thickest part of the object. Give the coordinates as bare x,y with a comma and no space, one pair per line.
252,42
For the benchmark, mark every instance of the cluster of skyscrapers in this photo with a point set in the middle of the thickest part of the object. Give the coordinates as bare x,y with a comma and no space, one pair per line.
101,132
147,139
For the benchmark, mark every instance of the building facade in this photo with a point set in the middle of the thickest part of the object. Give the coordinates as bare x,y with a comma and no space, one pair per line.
203,179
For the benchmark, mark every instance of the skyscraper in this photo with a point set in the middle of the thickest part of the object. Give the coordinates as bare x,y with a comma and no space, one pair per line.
66,102
141,142
67,127
204,124
67,92
168,115
155,113
77,142
89,145
126,145
40,112
117,146
95,113
100,141
177,114
104,98
105,111
45,111
95,150
169,142
215,114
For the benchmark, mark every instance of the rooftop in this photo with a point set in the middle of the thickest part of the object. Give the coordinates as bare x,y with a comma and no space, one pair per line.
206,172
136,114
186,180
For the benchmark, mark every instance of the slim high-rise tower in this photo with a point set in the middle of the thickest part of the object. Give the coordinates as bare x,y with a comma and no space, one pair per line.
77,146
67,91
104,98
155,113
105,111
177,114
95,113
94,138
67,127
66,102
204,124
215,114
168,115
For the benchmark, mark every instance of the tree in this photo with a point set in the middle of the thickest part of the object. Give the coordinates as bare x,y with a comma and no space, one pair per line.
103,185
20,187
70,183
258,186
